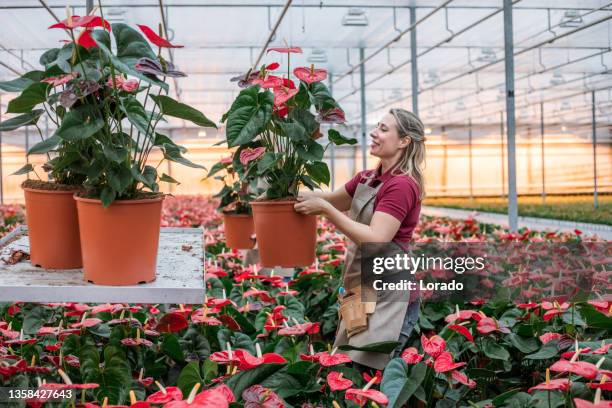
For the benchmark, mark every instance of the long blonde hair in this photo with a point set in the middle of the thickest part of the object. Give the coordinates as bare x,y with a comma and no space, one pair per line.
412,162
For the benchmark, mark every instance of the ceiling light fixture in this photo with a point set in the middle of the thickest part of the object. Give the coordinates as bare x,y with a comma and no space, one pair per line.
317,55
355,17
571,19
487,55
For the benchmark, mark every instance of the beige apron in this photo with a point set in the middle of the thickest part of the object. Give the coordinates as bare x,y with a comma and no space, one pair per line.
385,323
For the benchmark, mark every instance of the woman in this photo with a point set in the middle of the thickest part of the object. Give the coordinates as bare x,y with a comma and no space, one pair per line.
384,205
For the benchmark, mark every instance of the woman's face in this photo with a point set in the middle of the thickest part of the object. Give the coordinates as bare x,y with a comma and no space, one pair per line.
386,142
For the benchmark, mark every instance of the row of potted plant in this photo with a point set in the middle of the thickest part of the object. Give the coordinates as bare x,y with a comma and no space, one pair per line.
100,208
274,124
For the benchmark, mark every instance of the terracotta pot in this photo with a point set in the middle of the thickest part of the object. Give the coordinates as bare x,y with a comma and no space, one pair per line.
53,229
119,243
285,238
239,229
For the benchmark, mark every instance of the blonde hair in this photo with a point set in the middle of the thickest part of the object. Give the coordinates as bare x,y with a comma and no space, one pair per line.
412,162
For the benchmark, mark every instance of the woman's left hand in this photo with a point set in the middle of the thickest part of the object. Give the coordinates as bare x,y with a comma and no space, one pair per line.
311,205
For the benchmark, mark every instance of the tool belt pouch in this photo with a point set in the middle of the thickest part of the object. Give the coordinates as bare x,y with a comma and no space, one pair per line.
355,313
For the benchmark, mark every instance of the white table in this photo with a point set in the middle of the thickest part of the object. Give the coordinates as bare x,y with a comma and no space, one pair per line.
180,275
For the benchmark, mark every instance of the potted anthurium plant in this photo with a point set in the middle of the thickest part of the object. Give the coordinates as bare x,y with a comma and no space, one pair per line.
108,100
238,190
285,120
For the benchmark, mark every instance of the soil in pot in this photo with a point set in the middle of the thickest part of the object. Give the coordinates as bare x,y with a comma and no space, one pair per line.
285,238
53,227
239,230
119,243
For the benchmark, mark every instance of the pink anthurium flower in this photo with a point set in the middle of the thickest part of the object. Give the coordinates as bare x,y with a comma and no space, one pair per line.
463,379
282,94
337,382
165,394
285,50
246,156
411,356
172,322
310,75
444,362
561,384
361,396
258,396
433,345
581,368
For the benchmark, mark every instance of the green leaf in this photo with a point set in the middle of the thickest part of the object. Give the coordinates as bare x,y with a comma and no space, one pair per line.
172,348
31,96
167,179
45,146
21,83
114,377
34,319
305,119
119,178
115,153
548,350
595,318
251,114
189,376
384,347
131,45
79,124
161,140
493,350
320,96
137,115
244,379
524,345
501,398
179,110
282,383
107,196
318,171
127,66
310,151
26,119
398,385
294,131
24,170
336,138
173,153
266,162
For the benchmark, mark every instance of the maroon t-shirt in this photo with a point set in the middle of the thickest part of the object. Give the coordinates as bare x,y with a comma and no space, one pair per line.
398,196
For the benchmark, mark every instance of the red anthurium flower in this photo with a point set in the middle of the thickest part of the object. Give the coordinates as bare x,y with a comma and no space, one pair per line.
411,356
310,75
580,403
334,115
460,315
247,361
171,323
527,306
212,398
246,156
286,50
462,330
337,382
488,325
165,394
546,337
226,391
604,386
328,359
85,39
90,322
560,384
214,302
433,345
463,379
581,368
283,94
376,379
254,292
268,82
200,317
258,396
603,349
273,66
156,39
224,357
444,362
570,354
60,80
85,21
362,396
281,111
53,347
